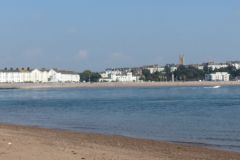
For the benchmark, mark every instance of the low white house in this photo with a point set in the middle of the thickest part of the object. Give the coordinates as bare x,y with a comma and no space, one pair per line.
36,75
117,76
154,68
218,76
127,77
63,76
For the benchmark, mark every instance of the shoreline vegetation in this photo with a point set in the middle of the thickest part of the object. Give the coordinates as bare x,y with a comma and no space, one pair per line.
22,142
117,84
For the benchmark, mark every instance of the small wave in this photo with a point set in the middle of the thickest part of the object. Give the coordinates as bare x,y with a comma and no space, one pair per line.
214,87
230,147
223,139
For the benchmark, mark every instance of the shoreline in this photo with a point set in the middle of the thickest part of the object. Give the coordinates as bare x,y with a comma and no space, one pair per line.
116,85
24,142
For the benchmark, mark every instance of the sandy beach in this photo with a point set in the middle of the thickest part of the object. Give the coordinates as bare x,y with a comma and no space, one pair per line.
115,85
31,143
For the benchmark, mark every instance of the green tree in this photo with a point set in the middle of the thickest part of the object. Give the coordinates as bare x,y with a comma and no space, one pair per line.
156,76
146,75
89,76
95,77
168,73
189,73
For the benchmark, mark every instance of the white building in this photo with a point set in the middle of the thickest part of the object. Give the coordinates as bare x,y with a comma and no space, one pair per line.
154,68
127,77
236,65
173,68
200,67
36,75
104,74
217,66
218,76
117,76
62,76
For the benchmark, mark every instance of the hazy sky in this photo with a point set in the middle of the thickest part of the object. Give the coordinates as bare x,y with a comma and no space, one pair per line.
95,34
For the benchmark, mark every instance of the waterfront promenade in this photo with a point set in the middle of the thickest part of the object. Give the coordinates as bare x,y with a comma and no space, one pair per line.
115,85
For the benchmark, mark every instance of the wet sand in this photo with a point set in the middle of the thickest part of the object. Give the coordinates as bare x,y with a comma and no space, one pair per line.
31,143
115,85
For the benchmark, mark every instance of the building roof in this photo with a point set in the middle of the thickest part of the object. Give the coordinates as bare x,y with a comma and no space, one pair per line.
16,70
30,70
65,72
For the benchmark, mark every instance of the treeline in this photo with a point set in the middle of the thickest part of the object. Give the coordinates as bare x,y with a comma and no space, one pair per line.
186,73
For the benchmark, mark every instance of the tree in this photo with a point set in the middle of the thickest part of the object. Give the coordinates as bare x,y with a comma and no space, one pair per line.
89,76
146,75
156,76
168,73
189,73
95,77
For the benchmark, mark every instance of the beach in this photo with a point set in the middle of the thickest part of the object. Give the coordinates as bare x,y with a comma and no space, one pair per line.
116,84
32,143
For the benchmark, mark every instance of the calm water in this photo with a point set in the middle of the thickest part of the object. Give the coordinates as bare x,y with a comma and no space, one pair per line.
199,115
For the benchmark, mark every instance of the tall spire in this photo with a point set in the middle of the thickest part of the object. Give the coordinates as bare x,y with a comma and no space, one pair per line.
181,59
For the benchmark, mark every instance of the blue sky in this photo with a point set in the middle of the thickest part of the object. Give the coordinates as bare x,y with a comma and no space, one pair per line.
96,34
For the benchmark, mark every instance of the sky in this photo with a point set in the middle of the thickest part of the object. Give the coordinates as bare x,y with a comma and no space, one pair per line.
97,34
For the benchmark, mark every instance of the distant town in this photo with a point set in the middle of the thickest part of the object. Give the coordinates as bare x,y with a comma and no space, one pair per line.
210,71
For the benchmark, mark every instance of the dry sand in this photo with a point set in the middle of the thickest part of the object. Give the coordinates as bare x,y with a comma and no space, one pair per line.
29,143
115,85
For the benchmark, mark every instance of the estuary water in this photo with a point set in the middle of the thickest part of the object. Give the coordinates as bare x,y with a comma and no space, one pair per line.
204,116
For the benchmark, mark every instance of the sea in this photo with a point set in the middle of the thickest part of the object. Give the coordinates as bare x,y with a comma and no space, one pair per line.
194,115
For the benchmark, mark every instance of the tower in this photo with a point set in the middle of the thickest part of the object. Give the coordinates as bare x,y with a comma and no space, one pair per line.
181,59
